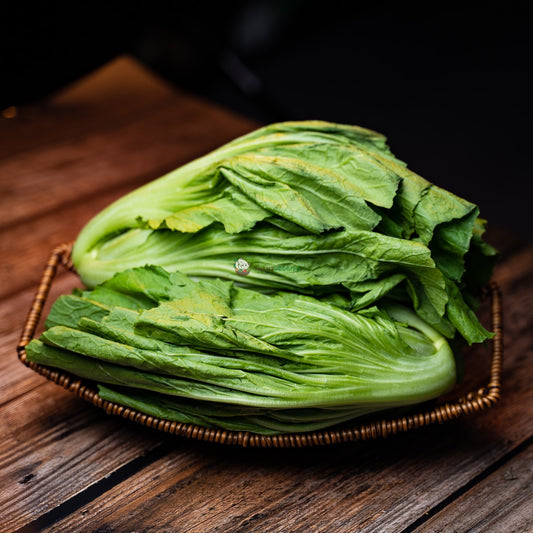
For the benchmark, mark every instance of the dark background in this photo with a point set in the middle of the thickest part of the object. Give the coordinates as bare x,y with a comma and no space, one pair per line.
448,84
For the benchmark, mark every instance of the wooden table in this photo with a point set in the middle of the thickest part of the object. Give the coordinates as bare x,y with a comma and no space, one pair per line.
67,466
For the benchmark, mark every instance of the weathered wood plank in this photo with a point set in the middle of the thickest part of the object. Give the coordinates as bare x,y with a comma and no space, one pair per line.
54,446
115,93
26,247
369,487
508,490
381,486
58,174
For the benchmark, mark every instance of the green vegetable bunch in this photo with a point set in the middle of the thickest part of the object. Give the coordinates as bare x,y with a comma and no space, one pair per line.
329,283
217,355
311,207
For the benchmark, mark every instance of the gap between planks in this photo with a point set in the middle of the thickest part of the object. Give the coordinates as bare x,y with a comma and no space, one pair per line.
499,463
97,489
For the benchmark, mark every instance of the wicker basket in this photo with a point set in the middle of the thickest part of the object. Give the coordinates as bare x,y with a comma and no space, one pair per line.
469,403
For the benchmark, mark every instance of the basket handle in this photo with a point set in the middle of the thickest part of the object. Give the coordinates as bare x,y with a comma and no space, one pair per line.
60,255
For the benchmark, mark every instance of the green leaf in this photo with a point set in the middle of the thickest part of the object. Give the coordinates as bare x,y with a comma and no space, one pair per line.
313,197
69,309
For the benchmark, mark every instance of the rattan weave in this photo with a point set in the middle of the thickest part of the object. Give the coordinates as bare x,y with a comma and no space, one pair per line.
466,404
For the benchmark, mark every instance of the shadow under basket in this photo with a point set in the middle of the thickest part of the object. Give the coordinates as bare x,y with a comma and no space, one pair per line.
429,413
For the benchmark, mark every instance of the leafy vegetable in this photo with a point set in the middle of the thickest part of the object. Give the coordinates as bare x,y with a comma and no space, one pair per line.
310,206
329,278
235,358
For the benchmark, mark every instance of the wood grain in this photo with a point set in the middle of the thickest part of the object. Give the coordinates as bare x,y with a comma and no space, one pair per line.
112,95
27,246
508,490
54,446
367,488
56,175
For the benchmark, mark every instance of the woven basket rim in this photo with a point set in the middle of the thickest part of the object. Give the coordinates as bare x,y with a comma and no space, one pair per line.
467,404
